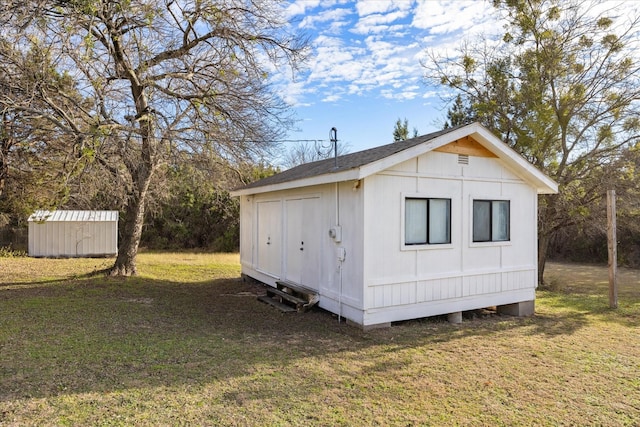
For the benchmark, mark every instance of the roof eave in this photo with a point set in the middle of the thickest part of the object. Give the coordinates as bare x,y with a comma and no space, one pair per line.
327,178
542,183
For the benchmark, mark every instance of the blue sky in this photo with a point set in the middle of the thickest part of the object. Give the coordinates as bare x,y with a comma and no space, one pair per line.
365,68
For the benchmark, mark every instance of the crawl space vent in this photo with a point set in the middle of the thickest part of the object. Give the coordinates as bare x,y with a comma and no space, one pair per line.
463,159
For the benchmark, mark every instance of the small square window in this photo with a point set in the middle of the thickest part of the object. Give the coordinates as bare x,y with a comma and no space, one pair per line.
491,220
427,221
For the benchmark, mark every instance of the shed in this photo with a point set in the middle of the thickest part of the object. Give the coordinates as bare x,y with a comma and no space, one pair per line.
438,224
73,233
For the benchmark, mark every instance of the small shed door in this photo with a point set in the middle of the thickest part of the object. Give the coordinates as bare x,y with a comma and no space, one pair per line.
303,232
269,250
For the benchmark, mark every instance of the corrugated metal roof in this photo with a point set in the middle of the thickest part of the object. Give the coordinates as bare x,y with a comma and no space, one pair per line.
74,216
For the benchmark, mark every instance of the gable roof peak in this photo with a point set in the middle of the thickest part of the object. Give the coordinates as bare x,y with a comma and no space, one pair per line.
354,166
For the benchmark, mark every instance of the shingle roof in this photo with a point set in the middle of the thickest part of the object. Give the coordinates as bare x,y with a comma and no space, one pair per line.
344,162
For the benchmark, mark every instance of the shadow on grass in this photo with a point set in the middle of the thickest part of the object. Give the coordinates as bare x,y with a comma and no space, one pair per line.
100,334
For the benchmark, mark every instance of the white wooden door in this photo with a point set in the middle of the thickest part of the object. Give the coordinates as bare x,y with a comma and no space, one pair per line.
269,251
303,232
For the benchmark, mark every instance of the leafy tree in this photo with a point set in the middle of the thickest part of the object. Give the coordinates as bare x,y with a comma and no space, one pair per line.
562,88
194,209
460,113
198,212
164,77
401,131
587,240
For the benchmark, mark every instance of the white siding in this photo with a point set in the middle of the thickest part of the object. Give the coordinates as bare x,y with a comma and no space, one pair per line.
462,275
306,215
382,279
247,228
345,288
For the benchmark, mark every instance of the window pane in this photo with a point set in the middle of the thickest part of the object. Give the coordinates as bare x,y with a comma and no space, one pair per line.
415,221
500,219
481,221
439,221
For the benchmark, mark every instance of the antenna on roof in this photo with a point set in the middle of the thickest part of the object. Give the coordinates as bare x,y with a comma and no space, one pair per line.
333,136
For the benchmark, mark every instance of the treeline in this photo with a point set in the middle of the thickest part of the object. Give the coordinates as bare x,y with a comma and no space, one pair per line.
191,209
586,242
154,109
198,211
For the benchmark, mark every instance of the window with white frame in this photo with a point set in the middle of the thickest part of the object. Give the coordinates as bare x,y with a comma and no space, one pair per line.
427,221
491,220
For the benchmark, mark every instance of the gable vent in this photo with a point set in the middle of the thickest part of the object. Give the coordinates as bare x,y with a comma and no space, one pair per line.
463,159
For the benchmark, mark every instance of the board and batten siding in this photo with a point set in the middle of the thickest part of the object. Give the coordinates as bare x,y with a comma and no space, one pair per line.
459,276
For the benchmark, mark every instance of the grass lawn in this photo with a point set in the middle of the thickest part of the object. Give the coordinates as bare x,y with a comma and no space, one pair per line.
186,343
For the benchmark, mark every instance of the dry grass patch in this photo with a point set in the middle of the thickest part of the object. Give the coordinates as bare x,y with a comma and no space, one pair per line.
186,343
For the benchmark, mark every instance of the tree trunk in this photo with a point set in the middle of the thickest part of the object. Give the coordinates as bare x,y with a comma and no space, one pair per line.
125,264
4,165
5,145
3,174
543,245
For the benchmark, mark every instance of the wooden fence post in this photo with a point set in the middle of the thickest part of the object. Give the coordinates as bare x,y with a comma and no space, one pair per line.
613,248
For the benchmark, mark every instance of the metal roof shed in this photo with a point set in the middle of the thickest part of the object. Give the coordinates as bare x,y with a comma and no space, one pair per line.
63,233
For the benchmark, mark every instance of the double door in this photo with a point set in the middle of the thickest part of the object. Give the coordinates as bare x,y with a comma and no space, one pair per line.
289,239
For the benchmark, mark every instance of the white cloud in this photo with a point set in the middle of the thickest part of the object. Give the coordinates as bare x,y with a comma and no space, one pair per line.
399,95
364,28
300,7
379,20
367,7
333,16
293,93
447,17
375,46
332,97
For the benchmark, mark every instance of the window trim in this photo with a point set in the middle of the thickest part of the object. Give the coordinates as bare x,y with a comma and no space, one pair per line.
491,241
427,245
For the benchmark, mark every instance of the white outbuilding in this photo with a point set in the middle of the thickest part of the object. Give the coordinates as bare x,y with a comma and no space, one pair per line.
438,224
72,233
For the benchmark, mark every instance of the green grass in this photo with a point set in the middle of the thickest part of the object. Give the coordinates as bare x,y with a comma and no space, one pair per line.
186,343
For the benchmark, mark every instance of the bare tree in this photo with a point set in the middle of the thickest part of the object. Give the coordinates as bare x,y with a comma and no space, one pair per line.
311,151
163,76
36,159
